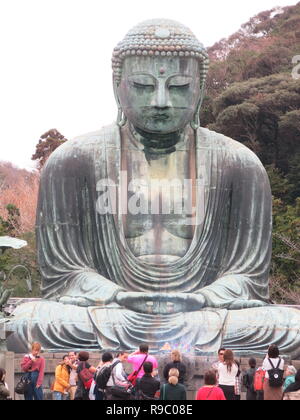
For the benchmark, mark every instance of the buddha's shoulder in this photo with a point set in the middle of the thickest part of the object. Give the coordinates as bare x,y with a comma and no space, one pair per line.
107,136
212,139
86,144
226,146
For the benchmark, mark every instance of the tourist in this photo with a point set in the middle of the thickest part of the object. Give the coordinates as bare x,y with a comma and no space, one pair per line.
148,386
248,380
173,391
227,372
293,391
175,364
73,363
101,390
272,361
215,365
81,392
139,357
210,390
238,383
34,365
290,374
118,375
4,391
61,385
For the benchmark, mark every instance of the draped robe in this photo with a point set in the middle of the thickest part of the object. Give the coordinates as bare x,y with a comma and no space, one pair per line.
83,254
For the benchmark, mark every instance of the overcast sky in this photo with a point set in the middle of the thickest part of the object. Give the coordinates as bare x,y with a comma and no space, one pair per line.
55,59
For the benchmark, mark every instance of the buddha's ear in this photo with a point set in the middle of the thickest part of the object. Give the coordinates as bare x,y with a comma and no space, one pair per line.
121,118
116,85
195,123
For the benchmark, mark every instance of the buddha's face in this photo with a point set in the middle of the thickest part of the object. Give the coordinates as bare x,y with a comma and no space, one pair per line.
159,94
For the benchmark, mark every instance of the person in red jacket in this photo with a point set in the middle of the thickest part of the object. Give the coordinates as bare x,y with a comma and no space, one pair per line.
34,365
210,390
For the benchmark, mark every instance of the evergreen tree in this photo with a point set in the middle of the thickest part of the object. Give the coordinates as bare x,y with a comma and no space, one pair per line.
48,142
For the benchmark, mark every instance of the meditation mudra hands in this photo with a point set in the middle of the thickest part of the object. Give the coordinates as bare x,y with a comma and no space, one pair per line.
91,289
159,303
153,303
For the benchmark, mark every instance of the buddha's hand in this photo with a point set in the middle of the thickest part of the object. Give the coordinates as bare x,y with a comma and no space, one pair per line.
159,303
245,304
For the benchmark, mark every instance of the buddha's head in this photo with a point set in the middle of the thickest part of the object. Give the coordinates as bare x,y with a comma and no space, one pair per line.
159,72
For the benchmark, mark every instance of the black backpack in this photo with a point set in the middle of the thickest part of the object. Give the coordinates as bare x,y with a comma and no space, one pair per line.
104,374
275,375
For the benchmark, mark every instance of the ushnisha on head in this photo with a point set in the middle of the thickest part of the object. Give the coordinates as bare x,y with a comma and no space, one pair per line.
158,54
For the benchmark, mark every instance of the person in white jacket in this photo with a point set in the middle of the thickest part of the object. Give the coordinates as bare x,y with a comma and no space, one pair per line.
227,372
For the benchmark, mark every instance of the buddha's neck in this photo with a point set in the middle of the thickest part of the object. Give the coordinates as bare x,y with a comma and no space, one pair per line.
156,144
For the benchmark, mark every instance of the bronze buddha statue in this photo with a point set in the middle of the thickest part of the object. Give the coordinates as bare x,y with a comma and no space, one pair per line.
155,229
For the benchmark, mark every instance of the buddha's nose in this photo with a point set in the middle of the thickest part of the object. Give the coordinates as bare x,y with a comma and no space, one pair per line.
161,99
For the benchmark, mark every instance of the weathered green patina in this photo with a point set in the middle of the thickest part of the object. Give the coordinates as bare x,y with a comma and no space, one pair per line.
123,259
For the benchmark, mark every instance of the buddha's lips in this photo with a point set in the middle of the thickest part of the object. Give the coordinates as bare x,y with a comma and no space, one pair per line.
160,117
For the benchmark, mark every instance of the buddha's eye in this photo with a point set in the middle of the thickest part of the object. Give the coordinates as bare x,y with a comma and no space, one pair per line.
143,86
142,82
179,82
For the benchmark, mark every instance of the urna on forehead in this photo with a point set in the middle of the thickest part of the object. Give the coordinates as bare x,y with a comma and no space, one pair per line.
159,38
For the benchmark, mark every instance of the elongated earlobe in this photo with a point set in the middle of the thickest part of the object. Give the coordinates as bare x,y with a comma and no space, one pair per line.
195,123
121,118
